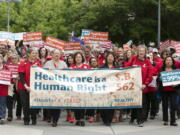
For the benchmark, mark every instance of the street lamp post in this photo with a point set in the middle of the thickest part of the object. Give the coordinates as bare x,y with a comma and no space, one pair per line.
159,22
8,11
8,16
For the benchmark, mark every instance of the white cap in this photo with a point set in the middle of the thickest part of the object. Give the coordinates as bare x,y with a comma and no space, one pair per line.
155,50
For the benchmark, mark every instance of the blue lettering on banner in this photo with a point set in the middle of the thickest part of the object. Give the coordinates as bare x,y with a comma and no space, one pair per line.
43,100
124,100
171,76
95,88
64,83
65,78
41,86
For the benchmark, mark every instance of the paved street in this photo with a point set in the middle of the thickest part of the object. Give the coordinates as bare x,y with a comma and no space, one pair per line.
152,127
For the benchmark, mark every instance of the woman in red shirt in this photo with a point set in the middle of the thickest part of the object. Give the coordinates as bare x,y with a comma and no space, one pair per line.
70,60
78,64
93,62
101,58
70,114
24,74
128,56
14,59
43,53
168,93
3,95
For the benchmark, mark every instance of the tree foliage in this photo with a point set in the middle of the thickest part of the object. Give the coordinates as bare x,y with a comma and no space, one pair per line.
123,19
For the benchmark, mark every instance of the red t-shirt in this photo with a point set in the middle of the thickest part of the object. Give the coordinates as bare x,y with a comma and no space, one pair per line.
168,88
101,60
177,63
24,67
87,59
83,66
3,89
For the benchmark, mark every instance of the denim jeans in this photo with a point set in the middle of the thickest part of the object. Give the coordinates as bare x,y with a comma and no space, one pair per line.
2,107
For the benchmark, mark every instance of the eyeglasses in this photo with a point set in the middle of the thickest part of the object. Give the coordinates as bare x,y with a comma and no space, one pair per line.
14,58
175,56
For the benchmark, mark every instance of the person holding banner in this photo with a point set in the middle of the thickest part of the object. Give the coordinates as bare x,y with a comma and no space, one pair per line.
55,63
3,95
70,113
78,64
152,91
168,93
146,66
43,53
91,112
24,74
12,66
107,114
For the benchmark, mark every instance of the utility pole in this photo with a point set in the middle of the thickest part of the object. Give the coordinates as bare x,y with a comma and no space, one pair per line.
8,11
8,16
159,22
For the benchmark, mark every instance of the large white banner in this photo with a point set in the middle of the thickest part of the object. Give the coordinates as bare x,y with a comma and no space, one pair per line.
103,88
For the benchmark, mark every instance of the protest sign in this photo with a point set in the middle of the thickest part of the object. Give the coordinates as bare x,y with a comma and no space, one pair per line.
85,32
13,68
170,44
105,44
7,42
102,35
5,77
170,78
34,39
55,43
74,45
98,40
32,36
73,38
104,88
19,36
7,38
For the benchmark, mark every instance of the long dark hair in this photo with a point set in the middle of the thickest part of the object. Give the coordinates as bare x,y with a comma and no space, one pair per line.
164,63
83,59
90,61
39,52
106,62
67,62
164,51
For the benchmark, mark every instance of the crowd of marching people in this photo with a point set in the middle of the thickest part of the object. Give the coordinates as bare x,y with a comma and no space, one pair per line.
152,63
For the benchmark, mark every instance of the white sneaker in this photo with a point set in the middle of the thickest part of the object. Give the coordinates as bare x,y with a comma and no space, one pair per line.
123,116
140,124
128,116
2,121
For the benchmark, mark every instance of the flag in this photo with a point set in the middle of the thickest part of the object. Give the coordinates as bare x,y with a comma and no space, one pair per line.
106,45
73,38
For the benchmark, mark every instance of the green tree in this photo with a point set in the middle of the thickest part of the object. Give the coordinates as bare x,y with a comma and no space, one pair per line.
123,19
